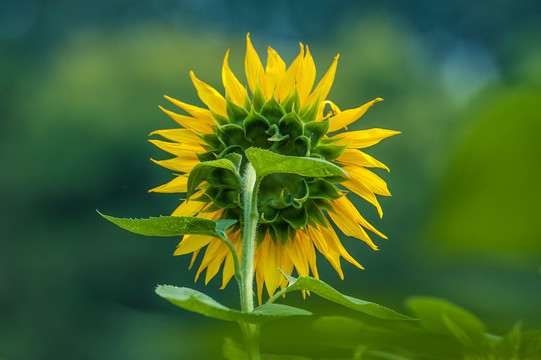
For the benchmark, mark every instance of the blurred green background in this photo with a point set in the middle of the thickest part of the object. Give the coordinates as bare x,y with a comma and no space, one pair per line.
80,82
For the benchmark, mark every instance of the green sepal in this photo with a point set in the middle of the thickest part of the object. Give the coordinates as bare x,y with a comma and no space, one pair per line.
255,129
321,189
291,125
282,201
236,113
269,215
220,177
233,149
301,197
275,135
281,229
213,141
247,102
227,198
266,162
320,288
261,232
173,226
292,103
309,114
236,159
301,146
295,217
232,135
201,171
207,156
315,130
330,152
314,213
324,204
272,111
219,119
198,302
259,99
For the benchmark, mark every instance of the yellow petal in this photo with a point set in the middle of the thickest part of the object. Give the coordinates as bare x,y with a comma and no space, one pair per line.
210,252
177,185
253,67
212,98
194,256
369,179
364,138
324,86
294,252
358,188
181,164
202,114
306,82
229,265
334,242
181,150
190,243
188,208
358,158
233,88
275,70
323,247
189,122
287,86
351,228
347,117
216,262
185,136
348,207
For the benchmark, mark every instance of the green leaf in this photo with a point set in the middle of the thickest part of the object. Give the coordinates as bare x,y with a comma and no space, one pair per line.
266,162
235,113
327,292
173,226
201,171
198,302
444,317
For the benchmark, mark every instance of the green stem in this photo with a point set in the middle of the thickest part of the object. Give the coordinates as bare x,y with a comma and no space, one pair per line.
251,217
248,240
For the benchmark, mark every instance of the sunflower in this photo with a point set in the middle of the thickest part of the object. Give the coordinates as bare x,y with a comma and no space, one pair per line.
283,114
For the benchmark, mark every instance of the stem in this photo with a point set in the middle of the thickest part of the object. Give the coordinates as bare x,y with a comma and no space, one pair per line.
251,217
248,239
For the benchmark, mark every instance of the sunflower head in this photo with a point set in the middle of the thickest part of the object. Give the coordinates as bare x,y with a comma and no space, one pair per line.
285,115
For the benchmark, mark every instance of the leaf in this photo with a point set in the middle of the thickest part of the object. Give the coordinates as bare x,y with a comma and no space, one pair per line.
444,317
266,162
202,170
173,226
198,302
327,292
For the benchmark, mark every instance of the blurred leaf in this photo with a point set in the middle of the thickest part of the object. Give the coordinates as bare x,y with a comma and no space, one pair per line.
198,302
327,292
173,226
444,317
266,162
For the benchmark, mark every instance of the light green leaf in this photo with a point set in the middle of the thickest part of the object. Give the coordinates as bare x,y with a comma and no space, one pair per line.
198,302
173,226
266,162
327,292
200,172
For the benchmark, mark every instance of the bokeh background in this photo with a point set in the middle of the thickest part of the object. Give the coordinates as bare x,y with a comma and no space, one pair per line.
80,82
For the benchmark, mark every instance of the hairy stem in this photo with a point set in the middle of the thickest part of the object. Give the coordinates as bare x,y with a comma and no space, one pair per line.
249,230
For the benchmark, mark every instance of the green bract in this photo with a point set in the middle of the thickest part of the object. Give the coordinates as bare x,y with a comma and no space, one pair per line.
287,201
